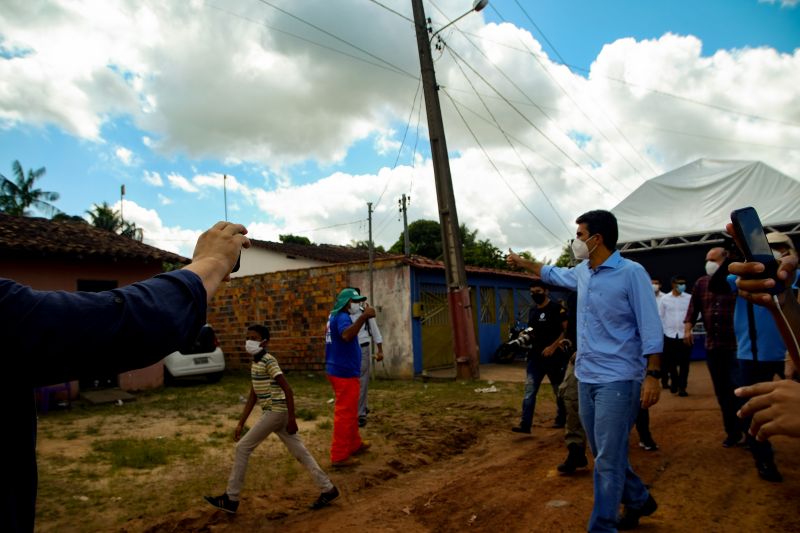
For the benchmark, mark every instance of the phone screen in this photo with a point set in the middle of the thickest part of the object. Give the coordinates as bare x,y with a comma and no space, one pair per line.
752,233
754,244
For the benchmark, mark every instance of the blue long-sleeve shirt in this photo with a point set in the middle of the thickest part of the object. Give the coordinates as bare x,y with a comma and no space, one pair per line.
618,322
56,336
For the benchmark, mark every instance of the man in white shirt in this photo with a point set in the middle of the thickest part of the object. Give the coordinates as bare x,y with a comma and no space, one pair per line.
369,332
672,310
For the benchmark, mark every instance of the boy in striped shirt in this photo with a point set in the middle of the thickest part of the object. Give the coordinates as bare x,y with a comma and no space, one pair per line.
271,390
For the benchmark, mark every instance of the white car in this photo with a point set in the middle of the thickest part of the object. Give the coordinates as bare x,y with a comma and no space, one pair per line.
205,358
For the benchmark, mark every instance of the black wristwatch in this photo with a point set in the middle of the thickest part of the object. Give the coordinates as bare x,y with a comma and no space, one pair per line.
655,373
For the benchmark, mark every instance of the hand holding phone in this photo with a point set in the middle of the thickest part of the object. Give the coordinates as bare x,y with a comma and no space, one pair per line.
752,240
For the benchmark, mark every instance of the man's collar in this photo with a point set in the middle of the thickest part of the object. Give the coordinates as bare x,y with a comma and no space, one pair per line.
612,261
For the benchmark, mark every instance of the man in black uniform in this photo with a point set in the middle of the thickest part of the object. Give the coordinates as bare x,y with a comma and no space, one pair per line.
545,358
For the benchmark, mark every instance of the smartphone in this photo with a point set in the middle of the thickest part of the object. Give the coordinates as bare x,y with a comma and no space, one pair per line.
755,247
238,261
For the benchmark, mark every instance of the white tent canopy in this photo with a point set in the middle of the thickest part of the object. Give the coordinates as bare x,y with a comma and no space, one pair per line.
698,198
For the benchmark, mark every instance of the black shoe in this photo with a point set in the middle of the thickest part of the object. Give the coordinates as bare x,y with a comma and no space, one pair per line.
648,446
519,429
575,459
362,421
769,472
630,516
683,394
673,389
223,503
325,499
732,442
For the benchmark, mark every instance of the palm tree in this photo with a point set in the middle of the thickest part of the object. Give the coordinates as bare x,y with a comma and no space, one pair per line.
18,195
104,217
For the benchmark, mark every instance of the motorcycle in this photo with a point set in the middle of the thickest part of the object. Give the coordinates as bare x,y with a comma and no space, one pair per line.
516,347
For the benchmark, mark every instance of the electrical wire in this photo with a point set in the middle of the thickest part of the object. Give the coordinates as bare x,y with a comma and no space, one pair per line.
336,37
516,152
392,68
575,103
387,8
532,150
500,174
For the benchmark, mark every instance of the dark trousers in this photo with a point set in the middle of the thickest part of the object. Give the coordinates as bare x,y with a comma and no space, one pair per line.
676,357
538,367
724,370
756,372
643,426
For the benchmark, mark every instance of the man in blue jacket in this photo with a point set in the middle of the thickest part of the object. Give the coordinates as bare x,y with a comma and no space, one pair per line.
57,336
620,340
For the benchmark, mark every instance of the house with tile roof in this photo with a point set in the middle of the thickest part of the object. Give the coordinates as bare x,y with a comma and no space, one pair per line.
72,255
267,256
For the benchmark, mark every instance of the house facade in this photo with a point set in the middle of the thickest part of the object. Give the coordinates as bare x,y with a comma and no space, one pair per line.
75,256
409,294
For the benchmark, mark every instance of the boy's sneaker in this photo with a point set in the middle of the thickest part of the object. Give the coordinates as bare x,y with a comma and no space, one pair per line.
325,499
630,517
362,421
520,429
223,503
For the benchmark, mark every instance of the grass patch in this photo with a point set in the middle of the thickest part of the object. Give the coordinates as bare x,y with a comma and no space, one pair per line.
144,453
303,413
325,424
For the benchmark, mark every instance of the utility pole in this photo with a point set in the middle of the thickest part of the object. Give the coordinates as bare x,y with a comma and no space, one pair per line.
121,198
225,194
371,254
404,210
464,345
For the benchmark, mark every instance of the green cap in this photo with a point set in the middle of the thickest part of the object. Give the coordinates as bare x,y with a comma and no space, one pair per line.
345,296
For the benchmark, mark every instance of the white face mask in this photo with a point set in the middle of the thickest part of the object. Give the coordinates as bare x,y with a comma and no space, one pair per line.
354,308
252,347
711,267
776,254
656,288
581,249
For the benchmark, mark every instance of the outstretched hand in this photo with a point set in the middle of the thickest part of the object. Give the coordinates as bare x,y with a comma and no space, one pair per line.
774,406
216,252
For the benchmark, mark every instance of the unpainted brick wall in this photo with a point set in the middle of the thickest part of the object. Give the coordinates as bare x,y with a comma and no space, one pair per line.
294,304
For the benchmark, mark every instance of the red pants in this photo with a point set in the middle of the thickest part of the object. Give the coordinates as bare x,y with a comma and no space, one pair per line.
346,438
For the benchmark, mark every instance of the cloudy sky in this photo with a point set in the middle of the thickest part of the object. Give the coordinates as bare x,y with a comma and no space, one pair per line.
312,108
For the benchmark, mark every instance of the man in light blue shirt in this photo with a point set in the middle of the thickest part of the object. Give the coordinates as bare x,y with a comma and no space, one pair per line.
620,339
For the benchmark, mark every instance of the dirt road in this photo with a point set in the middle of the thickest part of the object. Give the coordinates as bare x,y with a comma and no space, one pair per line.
489,479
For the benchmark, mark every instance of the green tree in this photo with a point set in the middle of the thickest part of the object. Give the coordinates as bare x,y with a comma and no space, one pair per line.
104,217
364,245
425,239
294,239
17,196
565,259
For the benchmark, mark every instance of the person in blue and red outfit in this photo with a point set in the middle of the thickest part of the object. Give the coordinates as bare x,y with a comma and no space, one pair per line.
343,366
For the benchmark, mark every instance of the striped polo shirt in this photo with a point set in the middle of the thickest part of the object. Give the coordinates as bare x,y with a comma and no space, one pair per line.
269,394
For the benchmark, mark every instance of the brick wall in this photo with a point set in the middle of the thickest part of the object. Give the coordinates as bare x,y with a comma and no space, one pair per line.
294,304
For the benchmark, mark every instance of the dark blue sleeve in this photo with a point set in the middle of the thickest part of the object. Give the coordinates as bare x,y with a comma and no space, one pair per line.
55,336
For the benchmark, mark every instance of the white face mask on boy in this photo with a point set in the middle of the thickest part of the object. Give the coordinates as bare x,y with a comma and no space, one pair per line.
252,347
354,308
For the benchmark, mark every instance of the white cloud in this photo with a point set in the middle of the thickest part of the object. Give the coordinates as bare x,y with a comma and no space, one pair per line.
164,200
153,178
784,3
180,182
172,239
124,155
222,88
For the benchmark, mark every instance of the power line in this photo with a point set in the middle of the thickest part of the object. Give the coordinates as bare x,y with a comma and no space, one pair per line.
525,118
564,91
402,142
336,37
491,162
532,150
387,8
392,68
522,162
